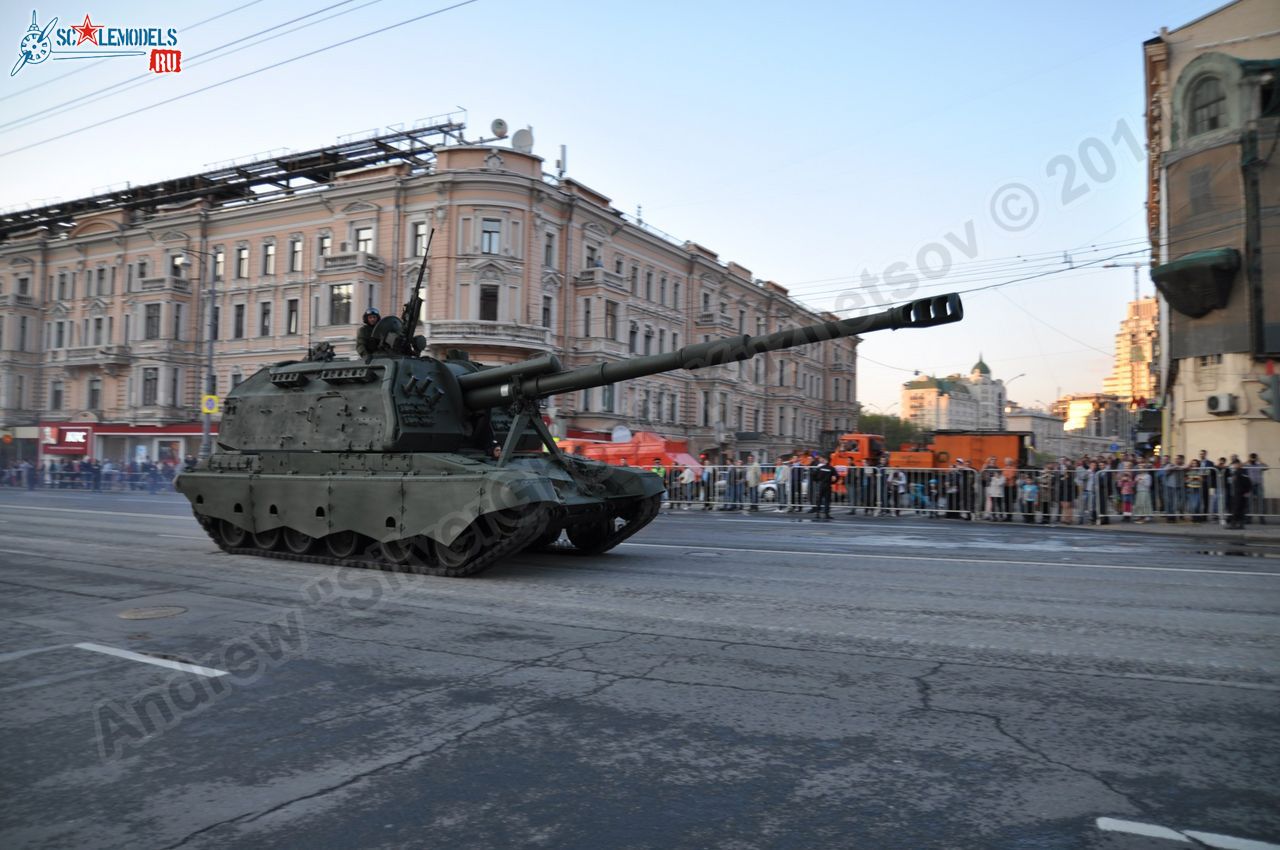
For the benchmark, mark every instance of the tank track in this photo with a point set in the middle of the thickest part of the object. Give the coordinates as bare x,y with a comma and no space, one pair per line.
499,540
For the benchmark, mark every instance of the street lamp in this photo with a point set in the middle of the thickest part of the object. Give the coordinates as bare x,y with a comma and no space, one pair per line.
206,443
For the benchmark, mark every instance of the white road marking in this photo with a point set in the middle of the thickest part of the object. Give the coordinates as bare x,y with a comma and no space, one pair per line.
1148,829
954,560
87,511
1212,839
23,653
209,672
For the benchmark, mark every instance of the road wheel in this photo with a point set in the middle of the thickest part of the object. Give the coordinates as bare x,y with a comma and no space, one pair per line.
588,538
343,544
231,535
297,542
400,553
267,540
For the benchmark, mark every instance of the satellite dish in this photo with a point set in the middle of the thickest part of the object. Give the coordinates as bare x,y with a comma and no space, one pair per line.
499,128
621,434
523,141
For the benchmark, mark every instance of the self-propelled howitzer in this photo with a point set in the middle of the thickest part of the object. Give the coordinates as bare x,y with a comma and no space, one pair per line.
442,467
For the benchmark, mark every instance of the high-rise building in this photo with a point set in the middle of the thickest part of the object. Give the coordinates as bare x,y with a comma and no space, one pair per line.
1133,376
107,303
956,403
1213,124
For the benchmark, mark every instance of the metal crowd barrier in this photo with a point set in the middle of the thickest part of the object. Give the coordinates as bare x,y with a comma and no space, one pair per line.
114,480
1043,496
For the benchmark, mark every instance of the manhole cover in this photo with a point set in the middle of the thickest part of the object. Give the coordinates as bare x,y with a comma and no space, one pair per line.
154,613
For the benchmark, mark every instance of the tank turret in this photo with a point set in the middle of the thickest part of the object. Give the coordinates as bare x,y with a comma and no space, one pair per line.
442,467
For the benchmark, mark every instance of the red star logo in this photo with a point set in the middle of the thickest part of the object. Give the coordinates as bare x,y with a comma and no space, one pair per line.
88,31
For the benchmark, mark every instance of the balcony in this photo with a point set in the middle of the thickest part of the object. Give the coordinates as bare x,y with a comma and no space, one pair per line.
93,355
840,367
715,320
600,346
601,277
354,261
466,332
176,285
15,300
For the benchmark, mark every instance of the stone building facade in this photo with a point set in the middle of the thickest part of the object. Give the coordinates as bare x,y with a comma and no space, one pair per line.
1213,121
105,304
956,403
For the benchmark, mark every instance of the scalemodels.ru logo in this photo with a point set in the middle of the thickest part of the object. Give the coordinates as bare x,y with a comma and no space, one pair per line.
97,41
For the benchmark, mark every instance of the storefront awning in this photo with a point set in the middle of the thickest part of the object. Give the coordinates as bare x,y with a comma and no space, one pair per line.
1200,282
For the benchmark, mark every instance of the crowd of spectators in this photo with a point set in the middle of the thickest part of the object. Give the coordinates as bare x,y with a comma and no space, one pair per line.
92,474
1102,489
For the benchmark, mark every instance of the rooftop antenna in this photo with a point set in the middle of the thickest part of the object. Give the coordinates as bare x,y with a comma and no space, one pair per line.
562,164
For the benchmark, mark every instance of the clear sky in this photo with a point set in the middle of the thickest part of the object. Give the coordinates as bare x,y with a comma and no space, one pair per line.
858,153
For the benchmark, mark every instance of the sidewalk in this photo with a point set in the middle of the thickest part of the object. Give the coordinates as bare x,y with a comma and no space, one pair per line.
1254,533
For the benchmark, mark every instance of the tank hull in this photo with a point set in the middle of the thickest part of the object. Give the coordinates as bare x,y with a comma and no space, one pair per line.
430,513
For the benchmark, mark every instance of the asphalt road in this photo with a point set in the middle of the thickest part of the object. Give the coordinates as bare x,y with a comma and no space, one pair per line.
723,681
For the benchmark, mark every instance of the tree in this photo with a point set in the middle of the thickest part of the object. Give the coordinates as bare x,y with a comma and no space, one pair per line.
894,430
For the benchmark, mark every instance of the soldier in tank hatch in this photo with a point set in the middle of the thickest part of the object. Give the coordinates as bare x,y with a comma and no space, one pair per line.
364,336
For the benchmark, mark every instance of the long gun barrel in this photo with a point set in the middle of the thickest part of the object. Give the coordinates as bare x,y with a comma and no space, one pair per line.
538,377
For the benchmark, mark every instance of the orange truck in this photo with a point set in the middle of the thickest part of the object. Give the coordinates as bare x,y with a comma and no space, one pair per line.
639,451
941,451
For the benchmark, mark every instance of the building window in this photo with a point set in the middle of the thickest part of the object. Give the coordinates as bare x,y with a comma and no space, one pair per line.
593,258
490,235
151,327
340,304
1207,102
237,378
142,268
219,264
24,286
662,340
586,317
269,258
635,280
213,322
633,337
420,239
102,281
549,251
606,398
150,386
291,316
173,387
295,255
55,395
95,393
242,263
489,303
546,311
237,327
177,321
611,320
1201,191
662,290
264,319
675,341
617,265
648,340
62,286
675,295
364,239
648,286
325,245
97,331
706,302
176,262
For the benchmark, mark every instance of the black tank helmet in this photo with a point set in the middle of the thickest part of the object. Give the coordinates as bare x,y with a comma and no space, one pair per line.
372,311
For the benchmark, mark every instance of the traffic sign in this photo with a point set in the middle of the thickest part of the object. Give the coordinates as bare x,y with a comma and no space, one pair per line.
209,404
